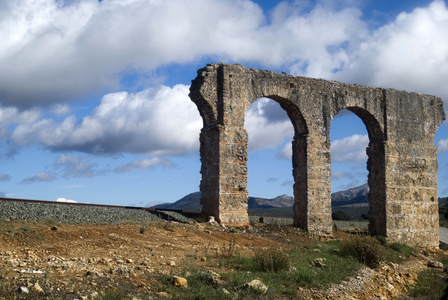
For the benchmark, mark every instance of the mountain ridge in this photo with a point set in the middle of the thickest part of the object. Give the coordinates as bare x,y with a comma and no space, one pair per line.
353,201
351,196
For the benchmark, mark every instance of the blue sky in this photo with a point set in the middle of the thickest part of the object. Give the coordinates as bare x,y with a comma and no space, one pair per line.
94,100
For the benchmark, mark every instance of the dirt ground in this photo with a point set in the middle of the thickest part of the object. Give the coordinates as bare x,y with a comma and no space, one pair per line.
59,261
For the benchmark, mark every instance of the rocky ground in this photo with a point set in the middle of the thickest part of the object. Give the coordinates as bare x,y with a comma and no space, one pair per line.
59,261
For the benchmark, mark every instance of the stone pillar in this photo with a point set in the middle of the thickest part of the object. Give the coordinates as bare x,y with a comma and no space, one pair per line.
312,187
299,172
377,188
209,151
224,174
411,186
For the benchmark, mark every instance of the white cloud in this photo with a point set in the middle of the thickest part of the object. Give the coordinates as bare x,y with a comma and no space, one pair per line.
267,124
350,149
55,51
65,200
60,109
149,163
337,175
76,166
411,53
442,146
156,121
285,152
51,52
10,116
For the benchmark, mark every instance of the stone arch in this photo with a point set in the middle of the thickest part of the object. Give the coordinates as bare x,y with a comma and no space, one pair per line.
299,156
400,125
293,112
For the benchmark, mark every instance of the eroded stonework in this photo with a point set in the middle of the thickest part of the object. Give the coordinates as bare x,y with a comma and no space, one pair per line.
402,158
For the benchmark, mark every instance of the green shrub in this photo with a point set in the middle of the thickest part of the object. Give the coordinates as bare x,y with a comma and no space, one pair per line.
340,216
381,239
366,250
271,260
402,248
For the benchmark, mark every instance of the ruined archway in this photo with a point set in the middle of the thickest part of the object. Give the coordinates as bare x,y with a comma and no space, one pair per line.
270,133
402,160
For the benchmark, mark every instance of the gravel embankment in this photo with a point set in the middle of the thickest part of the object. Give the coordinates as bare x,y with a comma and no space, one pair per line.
71,214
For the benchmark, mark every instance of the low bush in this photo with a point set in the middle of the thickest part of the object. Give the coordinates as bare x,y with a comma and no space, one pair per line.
430,285
340,216
402,248
271,260
365,249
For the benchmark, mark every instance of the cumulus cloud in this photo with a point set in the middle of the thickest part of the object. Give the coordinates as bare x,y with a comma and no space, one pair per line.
53,51
11,116
149,163
267,124
409,53
39,177
285,152
350,149
60,109
156,121
442,146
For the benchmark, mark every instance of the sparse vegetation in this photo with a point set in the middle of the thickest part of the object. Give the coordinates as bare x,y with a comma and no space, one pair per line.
271,260
113,294
281,260
366,250
430,285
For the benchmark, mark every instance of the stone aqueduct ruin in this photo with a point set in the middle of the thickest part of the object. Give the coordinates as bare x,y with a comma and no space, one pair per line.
402,158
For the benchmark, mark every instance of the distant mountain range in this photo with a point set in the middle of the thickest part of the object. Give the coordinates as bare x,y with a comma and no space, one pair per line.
355,195
353,201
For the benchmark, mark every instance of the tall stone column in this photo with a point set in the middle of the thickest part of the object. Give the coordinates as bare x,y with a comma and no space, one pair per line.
312,187
411,186
377,187
224,174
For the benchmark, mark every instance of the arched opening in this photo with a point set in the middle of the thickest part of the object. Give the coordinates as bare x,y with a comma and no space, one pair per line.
272,124
269,180
357,163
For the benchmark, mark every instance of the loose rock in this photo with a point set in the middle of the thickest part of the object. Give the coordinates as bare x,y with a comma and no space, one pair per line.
180,282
